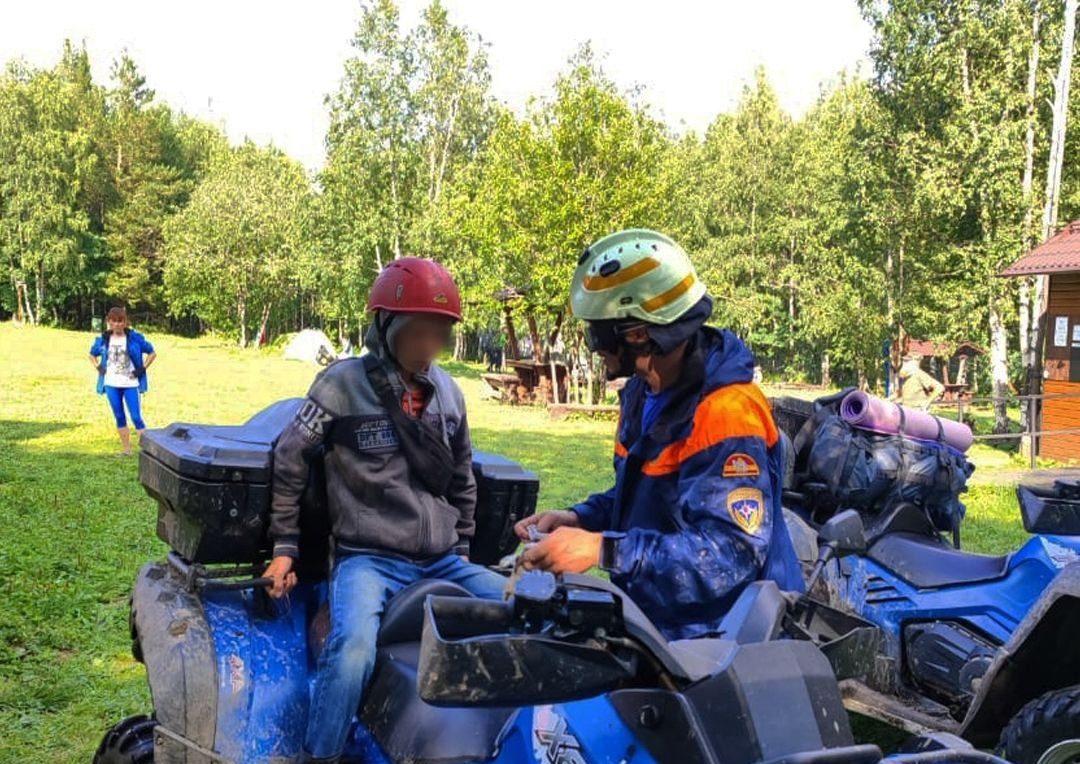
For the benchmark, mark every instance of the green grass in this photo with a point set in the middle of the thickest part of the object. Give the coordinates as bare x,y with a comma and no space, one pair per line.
75,526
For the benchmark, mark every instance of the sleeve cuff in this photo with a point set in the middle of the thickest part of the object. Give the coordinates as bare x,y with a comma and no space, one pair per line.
611,551
462,550
286,548
586,517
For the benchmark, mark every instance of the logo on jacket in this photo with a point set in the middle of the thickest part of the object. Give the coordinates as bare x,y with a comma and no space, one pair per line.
741,465
376,434
746,507
313,420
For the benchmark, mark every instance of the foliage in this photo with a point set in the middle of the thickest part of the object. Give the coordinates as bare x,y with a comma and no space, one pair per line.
885,211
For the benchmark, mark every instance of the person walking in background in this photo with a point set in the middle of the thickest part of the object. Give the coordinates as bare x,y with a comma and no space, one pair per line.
121,356
917,389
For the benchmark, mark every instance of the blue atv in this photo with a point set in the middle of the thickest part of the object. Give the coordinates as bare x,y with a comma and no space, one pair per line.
982,646
564,671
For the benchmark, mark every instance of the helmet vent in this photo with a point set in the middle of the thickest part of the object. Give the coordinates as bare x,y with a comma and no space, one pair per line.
610,267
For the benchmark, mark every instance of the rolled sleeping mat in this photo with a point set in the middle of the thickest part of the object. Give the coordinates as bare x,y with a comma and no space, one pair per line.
869,413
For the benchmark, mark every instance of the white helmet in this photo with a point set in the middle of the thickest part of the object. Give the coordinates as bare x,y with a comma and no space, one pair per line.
635,274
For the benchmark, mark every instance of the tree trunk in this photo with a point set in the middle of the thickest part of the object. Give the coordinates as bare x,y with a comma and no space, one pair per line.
39,289
261,338
589,380
999,351
459,345
511,335
1027,189
396,222
447,142
534,334
826,377
241,312
1061,114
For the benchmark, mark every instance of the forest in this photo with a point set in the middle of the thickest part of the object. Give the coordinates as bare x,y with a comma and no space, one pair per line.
885,211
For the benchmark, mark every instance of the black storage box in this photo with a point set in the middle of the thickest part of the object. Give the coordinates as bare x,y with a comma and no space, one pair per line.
505,494
213,486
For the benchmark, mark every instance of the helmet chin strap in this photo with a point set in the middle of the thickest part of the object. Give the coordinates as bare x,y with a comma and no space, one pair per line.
383,319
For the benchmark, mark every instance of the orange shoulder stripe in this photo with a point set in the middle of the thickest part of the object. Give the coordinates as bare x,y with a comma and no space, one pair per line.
732,411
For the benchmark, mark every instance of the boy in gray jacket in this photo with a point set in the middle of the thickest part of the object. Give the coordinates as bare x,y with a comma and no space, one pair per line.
400,487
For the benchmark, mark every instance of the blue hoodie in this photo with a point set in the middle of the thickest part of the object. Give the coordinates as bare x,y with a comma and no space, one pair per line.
137,347
695,513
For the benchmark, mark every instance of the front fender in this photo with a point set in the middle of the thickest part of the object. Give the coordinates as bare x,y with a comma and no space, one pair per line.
177,648
1040,656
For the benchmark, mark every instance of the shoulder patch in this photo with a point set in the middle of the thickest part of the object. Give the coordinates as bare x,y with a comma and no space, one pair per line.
746,507
741,465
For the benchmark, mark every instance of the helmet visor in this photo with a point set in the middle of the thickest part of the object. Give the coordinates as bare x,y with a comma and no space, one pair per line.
608,336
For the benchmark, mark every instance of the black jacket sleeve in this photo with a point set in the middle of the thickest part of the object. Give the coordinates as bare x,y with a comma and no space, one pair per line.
304,434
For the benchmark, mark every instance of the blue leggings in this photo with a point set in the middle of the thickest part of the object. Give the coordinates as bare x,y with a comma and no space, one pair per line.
118,396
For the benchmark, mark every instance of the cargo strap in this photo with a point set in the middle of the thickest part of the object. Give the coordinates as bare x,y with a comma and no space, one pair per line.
423,443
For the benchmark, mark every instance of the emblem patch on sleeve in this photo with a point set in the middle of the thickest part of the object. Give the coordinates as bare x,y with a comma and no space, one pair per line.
746,507
741,465
312,420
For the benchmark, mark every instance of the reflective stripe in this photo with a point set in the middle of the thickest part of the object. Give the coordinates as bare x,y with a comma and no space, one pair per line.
677,291
620,449
621,276
733,411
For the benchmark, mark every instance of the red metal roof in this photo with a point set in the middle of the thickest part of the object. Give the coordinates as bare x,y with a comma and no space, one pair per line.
931,349
1058,254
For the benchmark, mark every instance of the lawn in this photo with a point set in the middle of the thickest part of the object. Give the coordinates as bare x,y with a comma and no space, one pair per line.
75,525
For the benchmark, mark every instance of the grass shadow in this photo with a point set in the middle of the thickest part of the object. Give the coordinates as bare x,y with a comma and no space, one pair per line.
12,430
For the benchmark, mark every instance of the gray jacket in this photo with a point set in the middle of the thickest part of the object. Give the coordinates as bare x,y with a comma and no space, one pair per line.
375,502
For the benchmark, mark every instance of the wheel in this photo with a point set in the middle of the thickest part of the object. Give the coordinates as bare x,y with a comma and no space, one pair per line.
1045,731
128,742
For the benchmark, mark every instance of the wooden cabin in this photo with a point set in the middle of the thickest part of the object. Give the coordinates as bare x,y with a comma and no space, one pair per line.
1059,260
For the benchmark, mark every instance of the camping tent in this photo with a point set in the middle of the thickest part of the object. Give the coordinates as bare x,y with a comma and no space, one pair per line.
305,346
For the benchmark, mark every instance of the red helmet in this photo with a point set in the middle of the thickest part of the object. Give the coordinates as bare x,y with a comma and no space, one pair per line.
416,285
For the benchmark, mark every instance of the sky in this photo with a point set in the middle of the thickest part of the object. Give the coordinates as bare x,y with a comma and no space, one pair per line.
262,69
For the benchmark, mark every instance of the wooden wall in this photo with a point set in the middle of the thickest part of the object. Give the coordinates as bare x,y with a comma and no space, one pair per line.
1061,414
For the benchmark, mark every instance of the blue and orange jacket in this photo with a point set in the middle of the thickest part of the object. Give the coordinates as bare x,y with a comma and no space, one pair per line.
696,506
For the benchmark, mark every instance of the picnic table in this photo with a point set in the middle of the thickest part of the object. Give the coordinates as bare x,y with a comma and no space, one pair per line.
530,382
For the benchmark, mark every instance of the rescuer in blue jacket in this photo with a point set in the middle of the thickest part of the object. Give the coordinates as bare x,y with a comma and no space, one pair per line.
695,512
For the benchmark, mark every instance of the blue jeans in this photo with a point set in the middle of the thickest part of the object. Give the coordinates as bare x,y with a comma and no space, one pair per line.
118,396
360,587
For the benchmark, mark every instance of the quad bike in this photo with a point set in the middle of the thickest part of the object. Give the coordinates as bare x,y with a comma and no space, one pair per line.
982,646
564,671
